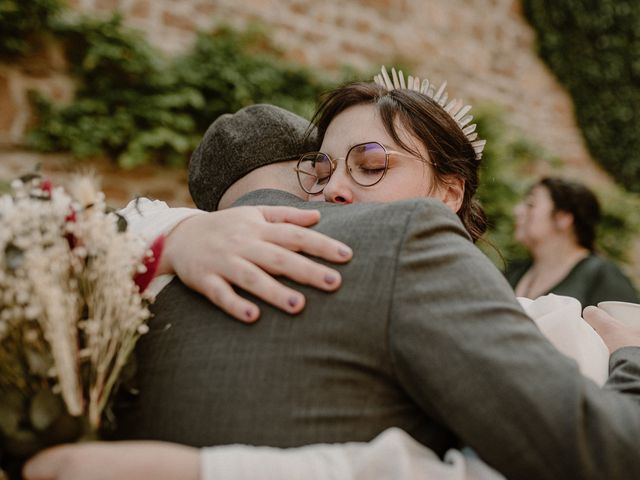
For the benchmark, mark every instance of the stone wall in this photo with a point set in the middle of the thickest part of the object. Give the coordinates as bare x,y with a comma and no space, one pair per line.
45,72
484,48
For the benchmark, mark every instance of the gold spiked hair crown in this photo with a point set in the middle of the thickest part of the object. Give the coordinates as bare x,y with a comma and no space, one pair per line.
455,107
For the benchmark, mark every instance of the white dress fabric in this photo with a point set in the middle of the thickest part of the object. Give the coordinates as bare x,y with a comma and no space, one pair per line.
392,455
560,320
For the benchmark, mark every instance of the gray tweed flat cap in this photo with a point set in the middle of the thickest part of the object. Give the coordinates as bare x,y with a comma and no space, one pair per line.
235,144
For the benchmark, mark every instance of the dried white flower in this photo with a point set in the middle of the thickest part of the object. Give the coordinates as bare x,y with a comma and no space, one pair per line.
67,291
85,189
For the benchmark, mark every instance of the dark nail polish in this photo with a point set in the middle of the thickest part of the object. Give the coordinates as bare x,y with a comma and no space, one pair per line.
330,279
293,301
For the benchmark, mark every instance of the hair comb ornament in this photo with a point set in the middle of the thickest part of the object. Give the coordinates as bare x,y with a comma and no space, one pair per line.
455,107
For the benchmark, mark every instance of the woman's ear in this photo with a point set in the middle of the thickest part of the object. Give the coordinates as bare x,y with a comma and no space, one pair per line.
451,192
563,220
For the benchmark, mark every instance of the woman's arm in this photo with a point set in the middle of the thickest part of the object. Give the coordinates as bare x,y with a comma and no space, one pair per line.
115,461
243,247
390,456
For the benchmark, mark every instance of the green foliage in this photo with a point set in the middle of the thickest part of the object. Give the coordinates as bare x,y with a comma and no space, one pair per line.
594,49
505,175
234,69
138,107
620,222
5,187
22,23
129,103
509,169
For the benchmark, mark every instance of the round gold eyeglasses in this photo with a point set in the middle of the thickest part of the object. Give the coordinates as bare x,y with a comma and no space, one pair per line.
366,164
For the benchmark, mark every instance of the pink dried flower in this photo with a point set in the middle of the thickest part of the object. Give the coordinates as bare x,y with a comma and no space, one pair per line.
46,186
71,238
150,262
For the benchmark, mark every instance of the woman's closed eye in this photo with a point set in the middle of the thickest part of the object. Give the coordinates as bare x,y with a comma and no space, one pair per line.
374,170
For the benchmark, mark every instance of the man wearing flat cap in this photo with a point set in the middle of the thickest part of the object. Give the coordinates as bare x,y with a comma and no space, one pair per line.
253,137
378,353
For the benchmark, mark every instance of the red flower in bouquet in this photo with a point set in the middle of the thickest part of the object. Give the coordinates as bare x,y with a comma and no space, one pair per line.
150,264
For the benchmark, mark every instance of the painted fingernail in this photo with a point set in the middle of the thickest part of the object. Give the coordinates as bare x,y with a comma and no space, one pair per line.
248,313
293,301
330,279
344,251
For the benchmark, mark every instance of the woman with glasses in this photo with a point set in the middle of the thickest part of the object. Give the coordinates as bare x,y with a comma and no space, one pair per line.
381,143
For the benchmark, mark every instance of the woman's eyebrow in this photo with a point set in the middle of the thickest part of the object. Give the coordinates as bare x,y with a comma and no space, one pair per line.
385,145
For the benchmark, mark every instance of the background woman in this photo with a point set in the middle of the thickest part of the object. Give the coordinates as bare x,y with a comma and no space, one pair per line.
557,224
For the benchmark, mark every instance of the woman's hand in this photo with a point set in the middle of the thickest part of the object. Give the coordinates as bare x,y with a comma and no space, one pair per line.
115,461
244,247
614,333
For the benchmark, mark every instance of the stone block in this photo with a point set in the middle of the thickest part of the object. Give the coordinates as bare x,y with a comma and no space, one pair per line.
140,9
206,8
362,25
299,8
297,55
180,22
107,5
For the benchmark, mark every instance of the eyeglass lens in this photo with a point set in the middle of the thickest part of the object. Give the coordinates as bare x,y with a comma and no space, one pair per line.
366,164
314,171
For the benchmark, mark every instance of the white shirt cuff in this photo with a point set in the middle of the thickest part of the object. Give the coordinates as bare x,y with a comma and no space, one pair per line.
150,219
391,455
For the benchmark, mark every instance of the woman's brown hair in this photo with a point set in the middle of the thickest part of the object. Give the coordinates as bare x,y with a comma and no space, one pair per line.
576,199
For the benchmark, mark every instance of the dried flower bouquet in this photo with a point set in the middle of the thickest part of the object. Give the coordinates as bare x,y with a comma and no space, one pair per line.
71,309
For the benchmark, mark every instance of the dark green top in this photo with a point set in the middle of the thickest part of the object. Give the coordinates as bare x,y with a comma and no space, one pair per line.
593,279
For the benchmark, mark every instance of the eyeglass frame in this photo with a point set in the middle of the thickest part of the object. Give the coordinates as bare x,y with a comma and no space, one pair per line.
334,165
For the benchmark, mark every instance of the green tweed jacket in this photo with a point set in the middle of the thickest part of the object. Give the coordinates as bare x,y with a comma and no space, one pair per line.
425,334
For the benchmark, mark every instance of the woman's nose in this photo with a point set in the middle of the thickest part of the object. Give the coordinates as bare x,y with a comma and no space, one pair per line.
338,189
